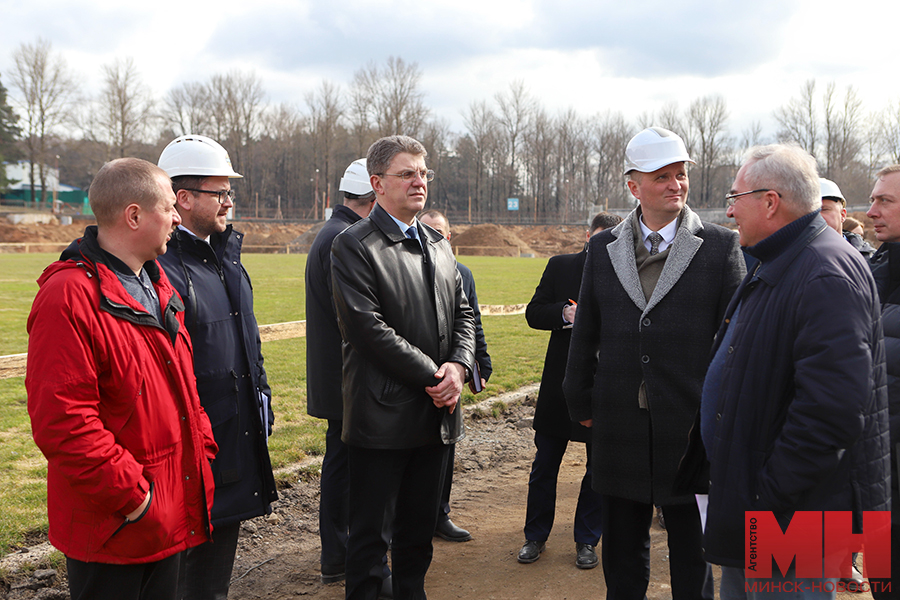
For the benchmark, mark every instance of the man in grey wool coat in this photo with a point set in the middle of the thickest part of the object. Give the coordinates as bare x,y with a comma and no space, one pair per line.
653,293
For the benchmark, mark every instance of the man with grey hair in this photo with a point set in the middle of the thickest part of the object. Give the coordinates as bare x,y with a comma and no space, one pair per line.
794,410
653,293
409,342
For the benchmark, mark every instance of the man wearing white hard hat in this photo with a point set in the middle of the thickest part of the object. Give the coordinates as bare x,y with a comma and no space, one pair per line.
654,291
203,262
834,211
324,369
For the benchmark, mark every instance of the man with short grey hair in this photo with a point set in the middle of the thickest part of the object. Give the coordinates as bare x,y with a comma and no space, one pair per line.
409,342
794,411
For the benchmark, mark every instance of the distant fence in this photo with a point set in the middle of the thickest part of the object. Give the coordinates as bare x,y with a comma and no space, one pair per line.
13,365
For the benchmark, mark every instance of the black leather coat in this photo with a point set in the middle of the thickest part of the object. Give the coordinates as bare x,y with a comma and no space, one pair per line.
402,313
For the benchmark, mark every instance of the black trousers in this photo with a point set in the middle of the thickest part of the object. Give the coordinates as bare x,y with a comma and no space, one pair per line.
333,506
447,485
148,581
541,508
413,478
626,550
206,569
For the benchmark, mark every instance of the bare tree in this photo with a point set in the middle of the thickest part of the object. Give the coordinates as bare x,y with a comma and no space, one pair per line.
890,131
799,120
325,113
515,112
186,109
843,130
124,107
236,102
397,105
706,119
751,135
610,136
46,91
539,158
481,122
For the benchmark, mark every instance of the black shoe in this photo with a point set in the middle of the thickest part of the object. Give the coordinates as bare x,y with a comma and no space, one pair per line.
387,588
531,551
448,531
332,573
585,556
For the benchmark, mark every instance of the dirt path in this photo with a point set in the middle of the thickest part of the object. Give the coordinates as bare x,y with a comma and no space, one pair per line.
489,494
278,556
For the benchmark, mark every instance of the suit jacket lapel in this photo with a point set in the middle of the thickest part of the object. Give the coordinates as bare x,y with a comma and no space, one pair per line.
621,255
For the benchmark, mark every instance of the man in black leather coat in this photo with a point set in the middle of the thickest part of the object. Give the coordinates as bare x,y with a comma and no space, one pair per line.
409,340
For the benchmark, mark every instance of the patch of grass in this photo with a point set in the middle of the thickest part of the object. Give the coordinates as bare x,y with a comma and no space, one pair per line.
18,285
503,280
516,350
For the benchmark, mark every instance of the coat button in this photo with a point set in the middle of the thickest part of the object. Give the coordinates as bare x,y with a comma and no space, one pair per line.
645,359
718,416
186,477
192,532
646,322
730,349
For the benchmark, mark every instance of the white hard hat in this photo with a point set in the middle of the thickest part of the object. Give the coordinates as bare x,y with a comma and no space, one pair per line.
831,191
196,155
356,179
654,148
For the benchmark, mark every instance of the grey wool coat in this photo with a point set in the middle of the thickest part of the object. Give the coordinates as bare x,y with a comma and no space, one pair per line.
620,340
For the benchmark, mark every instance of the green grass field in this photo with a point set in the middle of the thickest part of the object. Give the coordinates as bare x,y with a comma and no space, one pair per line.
278,280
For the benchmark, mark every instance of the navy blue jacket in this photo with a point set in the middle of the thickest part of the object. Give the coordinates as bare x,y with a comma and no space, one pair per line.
886,270
801,414
323,338
228,362
481,354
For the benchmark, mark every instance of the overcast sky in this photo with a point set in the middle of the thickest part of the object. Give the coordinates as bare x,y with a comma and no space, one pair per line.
593,56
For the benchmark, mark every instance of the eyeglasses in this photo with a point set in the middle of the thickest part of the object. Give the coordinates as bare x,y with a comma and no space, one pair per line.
411,175
730,199
220,195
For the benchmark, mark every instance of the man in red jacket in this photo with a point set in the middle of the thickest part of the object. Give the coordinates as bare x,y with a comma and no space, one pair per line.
113,398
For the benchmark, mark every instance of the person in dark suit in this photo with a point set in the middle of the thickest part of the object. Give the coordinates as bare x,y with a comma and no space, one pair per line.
653,293
408,347
447,529
553,309
323,368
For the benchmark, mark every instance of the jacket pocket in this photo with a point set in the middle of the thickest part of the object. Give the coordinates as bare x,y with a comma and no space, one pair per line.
164,523
219,396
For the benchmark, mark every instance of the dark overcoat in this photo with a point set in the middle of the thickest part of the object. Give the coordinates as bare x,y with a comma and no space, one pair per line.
620,340
559,283
323,338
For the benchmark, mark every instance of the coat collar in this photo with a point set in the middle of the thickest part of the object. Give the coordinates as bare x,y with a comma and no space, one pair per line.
681,252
